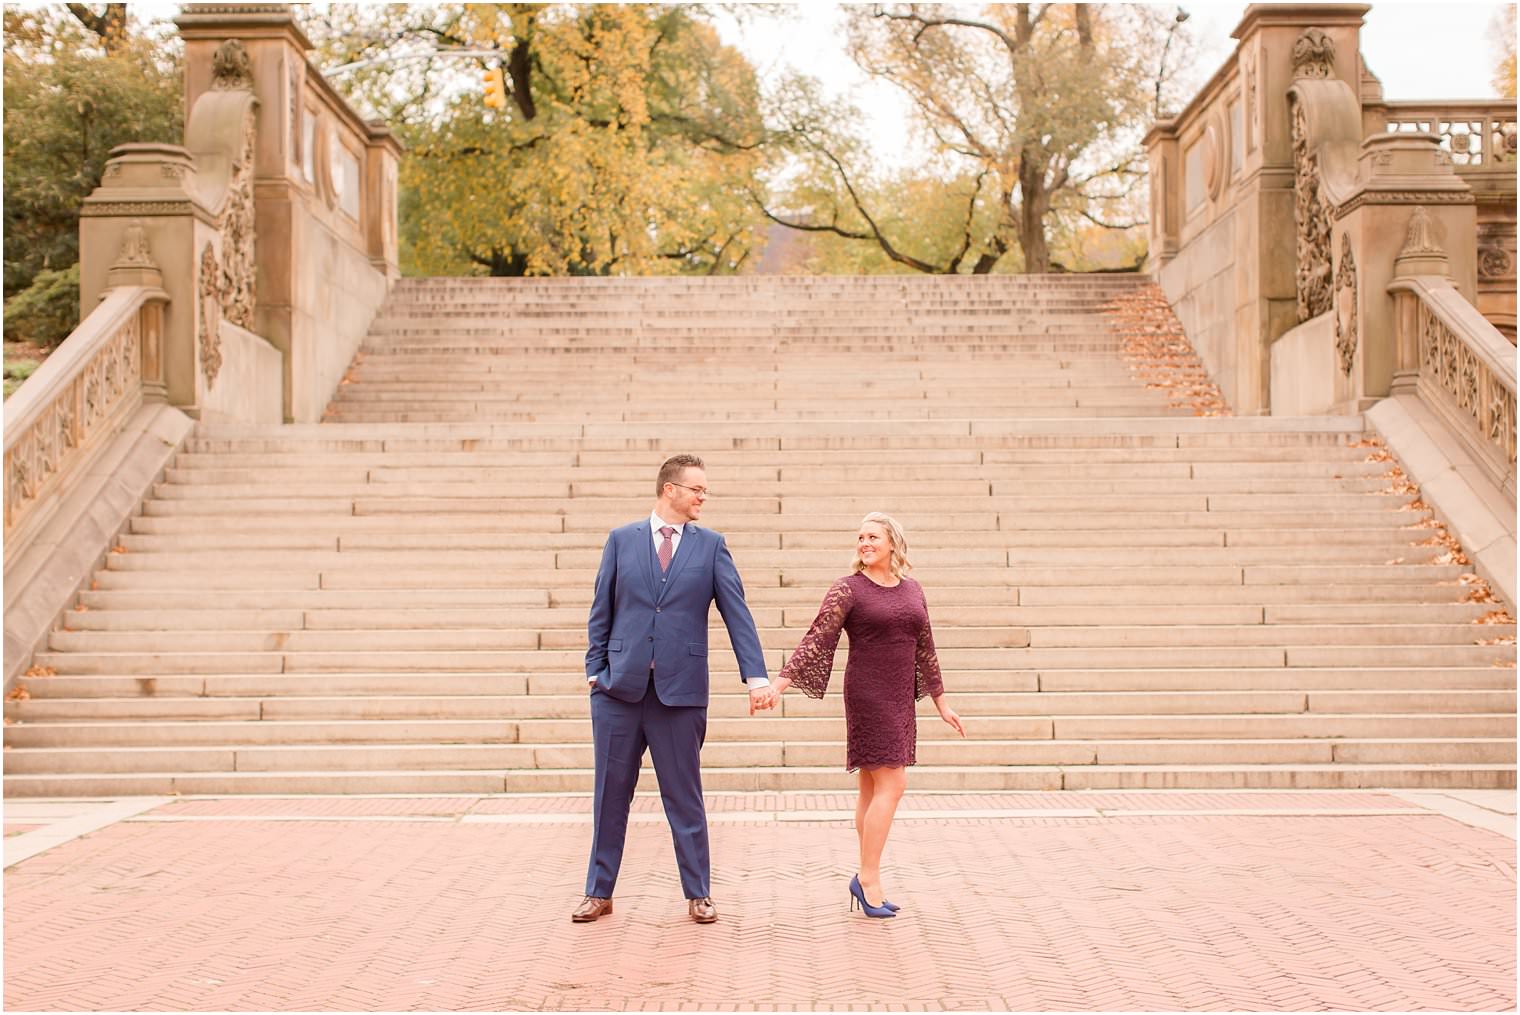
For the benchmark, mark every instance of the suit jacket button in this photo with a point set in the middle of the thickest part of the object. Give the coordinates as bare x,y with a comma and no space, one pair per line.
657,609
651,637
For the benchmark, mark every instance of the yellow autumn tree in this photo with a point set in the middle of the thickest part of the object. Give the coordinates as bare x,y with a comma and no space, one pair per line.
1503,29
630,143
1033,113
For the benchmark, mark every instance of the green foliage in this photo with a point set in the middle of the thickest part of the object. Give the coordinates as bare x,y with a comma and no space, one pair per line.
46,311
629,144
66,105
18,370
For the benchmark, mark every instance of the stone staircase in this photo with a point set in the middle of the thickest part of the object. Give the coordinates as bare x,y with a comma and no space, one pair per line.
1123,595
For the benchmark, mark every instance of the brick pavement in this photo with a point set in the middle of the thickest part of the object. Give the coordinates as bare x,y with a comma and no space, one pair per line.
1279,900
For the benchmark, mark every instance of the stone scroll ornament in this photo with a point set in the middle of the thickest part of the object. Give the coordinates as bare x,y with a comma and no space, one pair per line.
1311,215
210,296
232,71
1345,308
1313,57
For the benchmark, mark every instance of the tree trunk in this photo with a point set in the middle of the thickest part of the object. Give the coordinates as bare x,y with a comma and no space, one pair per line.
503,263
1033,203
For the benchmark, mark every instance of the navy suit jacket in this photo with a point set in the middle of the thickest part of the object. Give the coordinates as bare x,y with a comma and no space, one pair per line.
639,615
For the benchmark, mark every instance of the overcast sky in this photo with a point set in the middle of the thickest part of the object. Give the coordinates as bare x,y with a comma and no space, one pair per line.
1418,50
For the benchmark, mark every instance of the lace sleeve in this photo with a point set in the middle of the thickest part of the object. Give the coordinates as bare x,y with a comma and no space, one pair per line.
810,664
926,675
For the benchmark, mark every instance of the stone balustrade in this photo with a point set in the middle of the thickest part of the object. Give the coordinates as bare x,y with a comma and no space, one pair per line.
78,397
1278,196
228,279
1461,367
1479,134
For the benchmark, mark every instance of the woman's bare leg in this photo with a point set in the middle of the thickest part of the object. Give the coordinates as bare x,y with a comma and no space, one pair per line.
862,804
886,791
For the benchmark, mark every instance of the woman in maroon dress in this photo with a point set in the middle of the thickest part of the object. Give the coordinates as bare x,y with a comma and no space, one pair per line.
892,664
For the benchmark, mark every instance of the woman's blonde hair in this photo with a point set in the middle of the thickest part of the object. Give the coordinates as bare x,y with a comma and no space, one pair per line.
899,563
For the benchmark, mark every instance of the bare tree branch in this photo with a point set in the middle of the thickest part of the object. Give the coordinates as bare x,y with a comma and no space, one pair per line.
927,23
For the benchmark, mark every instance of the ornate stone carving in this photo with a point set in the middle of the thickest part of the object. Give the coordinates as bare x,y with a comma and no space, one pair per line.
209,291
1420,235
147,208
1380,197
231,70
134,248
1248,76
1345,307
1499,417
1311,215
1474,396
297,105
238,269
1313,54
1504,141
79,407
1495,262
1213,159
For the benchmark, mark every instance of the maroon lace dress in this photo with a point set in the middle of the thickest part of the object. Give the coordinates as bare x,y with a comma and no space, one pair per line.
892,664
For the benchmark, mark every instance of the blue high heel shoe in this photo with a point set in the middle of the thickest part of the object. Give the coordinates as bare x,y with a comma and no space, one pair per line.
858,895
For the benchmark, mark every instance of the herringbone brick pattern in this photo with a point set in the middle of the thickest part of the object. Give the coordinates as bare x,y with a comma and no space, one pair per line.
385,906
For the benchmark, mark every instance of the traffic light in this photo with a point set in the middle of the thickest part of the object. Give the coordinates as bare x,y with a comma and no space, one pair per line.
496,88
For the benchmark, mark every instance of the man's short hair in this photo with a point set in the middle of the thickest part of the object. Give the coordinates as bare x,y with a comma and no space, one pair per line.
671,471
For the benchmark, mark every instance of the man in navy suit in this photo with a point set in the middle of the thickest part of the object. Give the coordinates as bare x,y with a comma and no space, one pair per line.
647,671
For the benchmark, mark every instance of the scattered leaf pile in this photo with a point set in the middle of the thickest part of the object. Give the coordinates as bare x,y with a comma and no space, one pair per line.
1477,589
1159,354
41,671
1399,484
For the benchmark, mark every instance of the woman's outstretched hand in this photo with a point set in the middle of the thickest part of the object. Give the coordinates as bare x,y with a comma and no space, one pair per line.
949,715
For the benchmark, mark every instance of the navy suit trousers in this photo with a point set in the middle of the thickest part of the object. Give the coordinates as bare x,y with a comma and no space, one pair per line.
620,731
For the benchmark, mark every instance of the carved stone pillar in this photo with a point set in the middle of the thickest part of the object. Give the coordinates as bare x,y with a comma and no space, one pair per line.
1396,223
143,226
1421,254
1165,194
322,193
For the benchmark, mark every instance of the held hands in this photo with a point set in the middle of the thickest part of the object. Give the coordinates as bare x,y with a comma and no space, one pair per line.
766,697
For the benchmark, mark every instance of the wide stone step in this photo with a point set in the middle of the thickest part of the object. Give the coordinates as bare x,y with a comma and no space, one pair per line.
270,617
1233,432
347,553
776,778
63,714
570,662
430,683
487,719
187,534
1067,748
338,480
562,467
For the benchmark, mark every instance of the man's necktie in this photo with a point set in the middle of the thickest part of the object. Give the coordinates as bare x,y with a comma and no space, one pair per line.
666,550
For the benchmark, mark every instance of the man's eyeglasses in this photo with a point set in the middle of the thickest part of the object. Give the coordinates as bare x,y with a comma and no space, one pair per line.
700,491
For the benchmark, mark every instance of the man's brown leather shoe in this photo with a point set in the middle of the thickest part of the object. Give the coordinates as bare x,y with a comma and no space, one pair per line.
590,909
702,910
